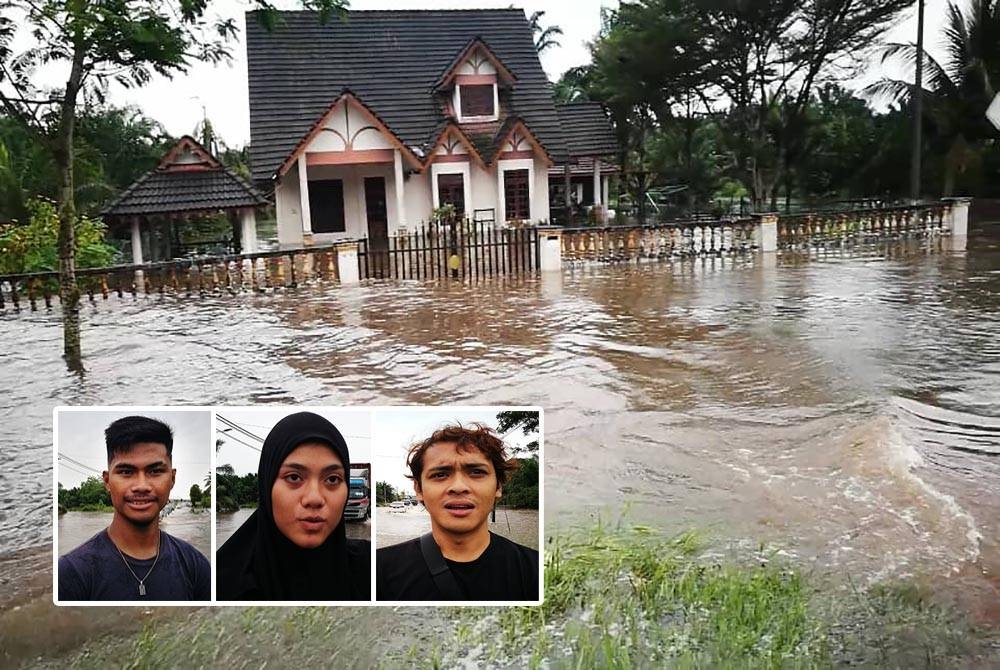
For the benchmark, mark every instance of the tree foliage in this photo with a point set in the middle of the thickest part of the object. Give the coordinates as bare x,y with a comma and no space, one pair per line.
720,88
90,495
386,493
233,491
956,91
521,489
32,247
97,44
526,421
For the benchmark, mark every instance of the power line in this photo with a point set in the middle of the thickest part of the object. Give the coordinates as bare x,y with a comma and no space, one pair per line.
236,426
82,465
246,444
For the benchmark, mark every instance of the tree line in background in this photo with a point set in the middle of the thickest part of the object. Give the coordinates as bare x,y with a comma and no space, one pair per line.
234,491
736,98
89,496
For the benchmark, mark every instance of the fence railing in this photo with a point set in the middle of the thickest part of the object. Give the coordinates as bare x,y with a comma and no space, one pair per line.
221,274
862,225
675,239
460,249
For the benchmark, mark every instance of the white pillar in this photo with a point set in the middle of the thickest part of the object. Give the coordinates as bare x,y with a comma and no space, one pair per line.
347,263
550,246
766,232
597,182
248,231
958,225
397,167
605,188
501,198
136,242
304,200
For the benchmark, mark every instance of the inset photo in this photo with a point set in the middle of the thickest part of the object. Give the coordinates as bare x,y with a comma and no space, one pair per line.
293,504
133,505
458,497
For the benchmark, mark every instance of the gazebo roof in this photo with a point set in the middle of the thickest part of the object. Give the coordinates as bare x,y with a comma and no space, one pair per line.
187,180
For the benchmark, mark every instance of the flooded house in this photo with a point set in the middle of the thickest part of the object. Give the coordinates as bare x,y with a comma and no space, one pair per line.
367,125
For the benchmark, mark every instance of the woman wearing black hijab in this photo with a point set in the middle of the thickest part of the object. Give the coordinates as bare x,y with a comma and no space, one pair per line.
295,546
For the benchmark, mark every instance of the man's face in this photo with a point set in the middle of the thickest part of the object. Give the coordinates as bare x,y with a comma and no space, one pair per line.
458,488
139,481
309,495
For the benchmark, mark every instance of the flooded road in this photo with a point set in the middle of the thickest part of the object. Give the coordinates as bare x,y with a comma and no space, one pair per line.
75,528
227,524
844,409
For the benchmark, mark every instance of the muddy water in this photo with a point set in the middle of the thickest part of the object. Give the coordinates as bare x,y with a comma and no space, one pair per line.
844,408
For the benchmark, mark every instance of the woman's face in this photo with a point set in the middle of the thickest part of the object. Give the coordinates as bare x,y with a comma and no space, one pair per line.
309,495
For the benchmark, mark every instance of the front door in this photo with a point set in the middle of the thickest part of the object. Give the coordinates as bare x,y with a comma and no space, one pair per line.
378,227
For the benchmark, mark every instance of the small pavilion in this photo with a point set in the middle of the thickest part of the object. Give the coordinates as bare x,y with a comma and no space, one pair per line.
188,182
593,154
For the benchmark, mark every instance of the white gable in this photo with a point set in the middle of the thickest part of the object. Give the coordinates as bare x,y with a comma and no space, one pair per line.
476,63
348,129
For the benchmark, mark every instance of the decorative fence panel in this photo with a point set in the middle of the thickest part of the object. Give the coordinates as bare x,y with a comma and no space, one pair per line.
224,274
459,249
863,225
673,240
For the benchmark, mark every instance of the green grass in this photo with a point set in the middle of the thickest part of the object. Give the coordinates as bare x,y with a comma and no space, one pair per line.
628,598
621,597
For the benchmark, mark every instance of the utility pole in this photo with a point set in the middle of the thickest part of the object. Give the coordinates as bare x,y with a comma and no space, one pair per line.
918,104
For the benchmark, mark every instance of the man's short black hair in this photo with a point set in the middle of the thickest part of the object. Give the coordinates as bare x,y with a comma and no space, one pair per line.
129,431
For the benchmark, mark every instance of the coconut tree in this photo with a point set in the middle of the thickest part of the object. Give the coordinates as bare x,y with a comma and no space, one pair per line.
957,89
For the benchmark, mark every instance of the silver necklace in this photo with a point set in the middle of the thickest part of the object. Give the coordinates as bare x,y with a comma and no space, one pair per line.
142,582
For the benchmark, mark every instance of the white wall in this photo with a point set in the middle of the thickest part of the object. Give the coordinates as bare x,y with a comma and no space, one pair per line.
484,191
419,206
287,205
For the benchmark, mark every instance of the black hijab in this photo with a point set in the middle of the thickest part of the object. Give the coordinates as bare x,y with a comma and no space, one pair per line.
259,563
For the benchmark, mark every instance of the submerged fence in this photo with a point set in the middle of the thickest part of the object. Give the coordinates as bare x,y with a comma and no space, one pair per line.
661,241
863,225
479,249
198,277
460,249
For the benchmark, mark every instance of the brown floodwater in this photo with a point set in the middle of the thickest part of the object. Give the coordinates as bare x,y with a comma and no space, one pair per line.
843,409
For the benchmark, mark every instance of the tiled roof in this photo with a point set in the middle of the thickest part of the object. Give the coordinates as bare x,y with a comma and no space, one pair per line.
587,130
391,60
162,192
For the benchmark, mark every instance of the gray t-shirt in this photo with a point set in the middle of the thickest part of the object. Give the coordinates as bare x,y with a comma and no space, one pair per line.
95,571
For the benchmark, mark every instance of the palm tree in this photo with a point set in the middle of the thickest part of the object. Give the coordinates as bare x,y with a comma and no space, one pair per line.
545,38
958,90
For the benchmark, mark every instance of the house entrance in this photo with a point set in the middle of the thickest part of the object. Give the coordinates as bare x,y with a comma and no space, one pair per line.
378,225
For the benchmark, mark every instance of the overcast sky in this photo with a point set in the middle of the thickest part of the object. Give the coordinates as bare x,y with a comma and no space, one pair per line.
397,429
222,90
243,452
80,437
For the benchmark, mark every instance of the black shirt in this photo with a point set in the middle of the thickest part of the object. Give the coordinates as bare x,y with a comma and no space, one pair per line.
504,571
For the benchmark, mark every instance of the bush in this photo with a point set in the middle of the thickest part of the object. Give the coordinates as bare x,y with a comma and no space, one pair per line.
34,247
